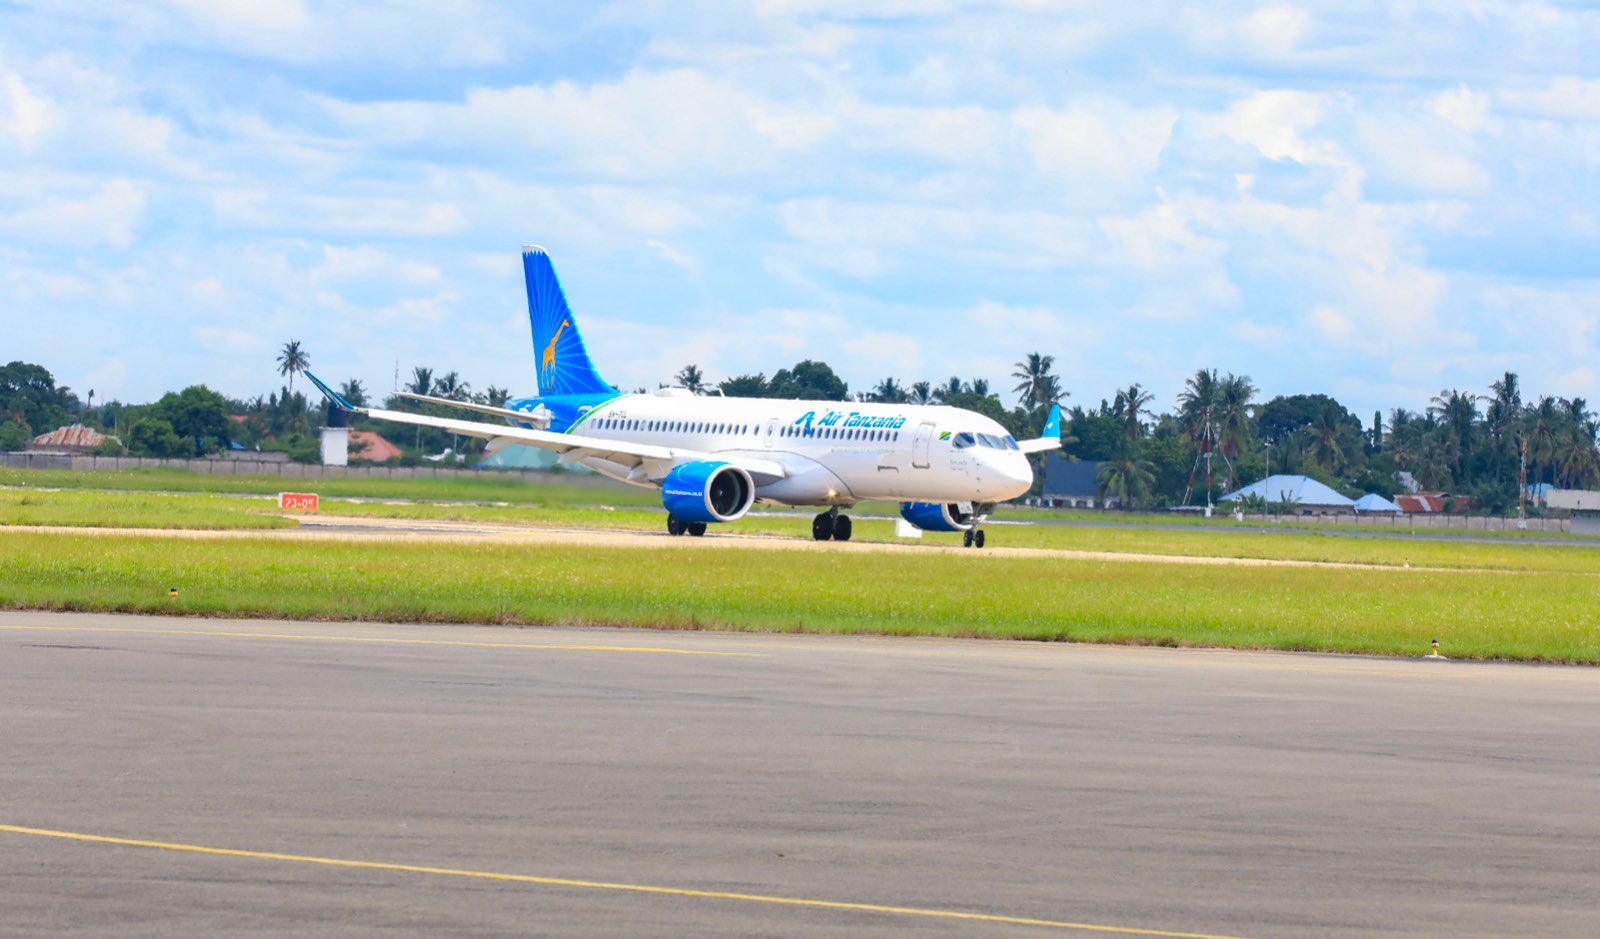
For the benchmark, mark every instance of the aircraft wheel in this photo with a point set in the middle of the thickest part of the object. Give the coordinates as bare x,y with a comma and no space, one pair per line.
676,527
977,538
841,528
966,538
822,526
697,529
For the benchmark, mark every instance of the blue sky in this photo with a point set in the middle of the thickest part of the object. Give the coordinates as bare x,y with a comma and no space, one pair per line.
1371,200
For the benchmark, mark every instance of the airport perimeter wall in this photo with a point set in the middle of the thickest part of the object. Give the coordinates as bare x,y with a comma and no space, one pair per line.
1418,521
62,461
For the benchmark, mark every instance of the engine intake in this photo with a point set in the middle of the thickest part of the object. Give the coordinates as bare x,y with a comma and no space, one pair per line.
936,516
707,491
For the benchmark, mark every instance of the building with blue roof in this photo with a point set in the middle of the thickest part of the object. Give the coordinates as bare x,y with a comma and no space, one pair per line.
1308,496
1372,503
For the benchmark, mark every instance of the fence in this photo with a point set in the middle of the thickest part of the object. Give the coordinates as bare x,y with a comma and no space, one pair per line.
1418,522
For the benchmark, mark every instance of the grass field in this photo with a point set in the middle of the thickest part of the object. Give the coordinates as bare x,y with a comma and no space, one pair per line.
1479,614
85,508
578,490
564,510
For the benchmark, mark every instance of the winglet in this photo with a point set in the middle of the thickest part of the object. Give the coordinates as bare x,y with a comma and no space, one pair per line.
1049,438
334,396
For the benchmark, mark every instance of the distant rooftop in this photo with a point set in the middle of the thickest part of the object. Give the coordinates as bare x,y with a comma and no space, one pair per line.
1372,502
71,437
1299,489
366,445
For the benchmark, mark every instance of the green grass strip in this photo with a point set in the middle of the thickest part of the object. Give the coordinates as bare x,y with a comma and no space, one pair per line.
1526,616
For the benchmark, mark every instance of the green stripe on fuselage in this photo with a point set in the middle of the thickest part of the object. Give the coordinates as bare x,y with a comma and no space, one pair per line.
592,411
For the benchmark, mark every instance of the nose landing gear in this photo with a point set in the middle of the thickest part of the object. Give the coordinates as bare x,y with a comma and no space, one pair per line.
831,524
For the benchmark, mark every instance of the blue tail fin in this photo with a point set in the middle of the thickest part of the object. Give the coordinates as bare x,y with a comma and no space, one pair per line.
563,362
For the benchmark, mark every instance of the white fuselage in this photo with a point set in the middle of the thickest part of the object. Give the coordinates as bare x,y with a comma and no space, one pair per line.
833,453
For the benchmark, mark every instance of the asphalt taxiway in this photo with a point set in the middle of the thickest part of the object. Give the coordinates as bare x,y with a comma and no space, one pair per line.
169,776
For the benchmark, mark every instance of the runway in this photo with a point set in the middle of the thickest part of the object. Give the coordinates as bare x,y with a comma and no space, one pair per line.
169,776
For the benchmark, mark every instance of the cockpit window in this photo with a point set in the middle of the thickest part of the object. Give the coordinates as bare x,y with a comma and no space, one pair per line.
990,441
1011,443
962,441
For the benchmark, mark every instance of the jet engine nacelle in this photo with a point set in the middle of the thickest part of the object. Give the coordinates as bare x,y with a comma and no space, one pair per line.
707,491
936,516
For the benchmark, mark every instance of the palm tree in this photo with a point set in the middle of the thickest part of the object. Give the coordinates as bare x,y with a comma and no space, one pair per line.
889,392
1458,411
449,385
691,378
921,393
292,360
1126,477
1037,387
948,391
1325,446
1544,434
353,392
979,387
421,381
494,396
1233,419
1578,458
1197,406
1131,401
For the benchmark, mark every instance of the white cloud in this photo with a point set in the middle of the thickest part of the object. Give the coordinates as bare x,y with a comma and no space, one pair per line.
1149,187
1566,98
23,114
1275,123
342,215
1461,106
73,212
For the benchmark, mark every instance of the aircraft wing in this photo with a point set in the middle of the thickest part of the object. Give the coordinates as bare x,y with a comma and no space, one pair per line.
467,406
647,461
1050,439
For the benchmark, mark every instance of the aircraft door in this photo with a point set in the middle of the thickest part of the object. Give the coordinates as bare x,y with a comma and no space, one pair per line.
919,448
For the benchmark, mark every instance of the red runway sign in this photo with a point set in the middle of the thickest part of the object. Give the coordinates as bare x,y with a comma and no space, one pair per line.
304,501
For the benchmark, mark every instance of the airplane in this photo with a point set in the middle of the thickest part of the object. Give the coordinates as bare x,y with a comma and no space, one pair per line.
714,457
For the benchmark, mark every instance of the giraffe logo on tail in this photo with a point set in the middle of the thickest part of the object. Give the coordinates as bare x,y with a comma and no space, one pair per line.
548,363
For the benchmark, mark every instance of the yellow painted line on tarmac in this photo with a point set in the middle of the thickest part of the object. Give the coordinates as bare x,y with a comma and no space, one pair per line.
879,908
393,640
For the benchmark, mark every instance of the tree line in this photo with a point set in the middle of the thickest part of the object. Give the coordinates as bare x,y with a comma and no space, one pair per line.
1216,436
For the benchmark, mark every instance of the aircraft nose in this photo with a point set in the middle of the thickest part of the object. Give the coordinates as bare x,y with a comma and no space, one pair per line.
1011,474
1017,469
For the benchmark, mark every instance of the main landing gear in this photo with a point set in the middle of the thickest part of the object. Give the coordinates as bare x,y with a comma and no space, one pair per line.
972,538
677,526
831,524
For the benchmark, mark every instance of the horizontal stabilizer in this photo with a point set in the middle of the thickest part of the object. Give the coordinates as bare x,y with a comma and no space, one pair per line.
334,396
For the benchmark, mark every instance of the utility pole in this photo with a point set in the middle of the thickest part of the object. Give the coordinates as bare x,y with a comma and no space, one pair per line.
1522,484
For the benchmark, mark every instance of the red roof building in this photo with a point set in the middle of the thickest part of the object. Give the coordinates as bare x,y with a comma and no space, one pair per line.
1424,503
366,445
